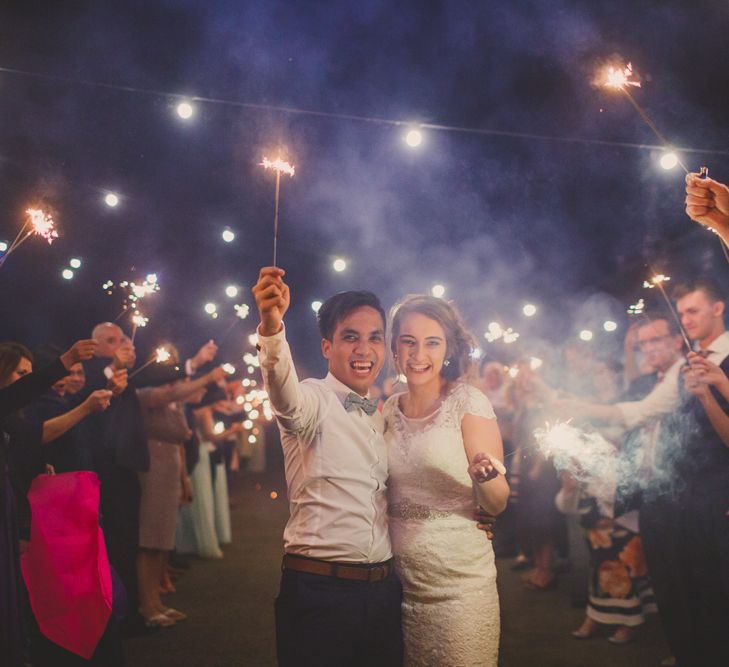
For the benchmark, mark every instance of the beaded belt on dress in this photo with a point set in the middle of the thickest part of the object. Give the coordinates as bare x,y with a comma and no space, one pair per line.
409,510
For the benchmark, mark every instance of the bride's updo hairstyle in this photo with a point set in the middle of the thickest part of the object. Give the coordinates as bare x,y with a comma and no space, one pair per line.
459,341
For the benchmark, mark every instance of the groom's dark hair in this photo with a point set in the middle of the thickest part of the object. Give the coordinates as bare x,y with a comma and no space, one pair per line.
337,307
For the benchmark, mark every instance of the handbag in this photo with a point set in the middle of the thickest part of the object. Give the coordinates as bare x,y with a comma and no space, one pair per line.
66,567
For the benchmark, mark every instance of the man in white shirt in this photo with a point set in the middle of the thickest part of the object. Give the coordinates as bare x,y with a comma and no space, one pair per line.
339,601
660,342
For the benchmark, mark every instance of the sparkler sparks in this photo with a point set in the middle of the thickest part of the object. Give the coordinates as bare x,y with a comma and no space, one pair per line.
280,167
636,308
496,332
620,78
241,310
656,281
139,320
161,356
37,222
133,292
43,224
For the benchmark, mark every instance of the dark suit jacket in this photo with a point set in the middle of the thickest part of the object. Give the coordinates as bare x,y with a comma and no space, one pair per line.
116,435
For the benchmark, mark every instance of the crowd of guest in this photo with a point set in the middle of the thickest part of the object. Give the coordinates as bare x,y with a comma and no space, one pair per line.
106,471
659,539
110,466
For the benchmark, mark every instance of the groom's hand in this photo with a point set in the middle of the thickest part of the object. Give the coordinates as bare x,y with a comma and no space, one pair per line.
272,299
484,521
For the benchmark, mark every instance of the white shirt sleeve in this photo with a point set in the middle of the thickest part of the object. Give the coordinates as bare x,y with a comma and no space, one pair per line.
662,400
295,407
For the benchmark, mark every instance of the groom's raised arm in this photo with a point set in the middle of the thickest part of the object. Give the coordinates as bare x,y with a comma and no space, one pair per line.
294,408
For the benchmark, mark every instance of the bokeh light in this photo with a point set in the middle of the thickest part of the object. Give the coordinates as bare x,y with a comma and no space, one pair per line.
75,263
111,200
210,308
438,291
231,291
529,310
414,138
228,235
185,110
339,265
669,160
67,274
315,305
585,335
609,325
3,246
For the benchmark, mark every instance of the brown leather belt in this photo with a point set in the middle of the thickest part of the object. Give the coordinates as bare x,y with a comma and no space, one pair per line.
358,572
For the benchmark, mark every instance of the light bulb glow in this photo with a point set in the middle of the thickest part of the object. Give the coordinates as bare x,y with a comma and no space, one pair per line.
668,160
414,138
185,110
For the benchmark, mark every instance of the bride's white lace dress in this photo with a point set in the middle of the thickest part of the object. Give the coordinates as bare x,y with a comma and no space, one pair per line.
450,608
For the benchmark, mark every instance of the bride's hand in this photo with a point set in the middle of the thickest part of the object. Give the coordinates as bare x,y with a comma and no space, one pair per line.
485,467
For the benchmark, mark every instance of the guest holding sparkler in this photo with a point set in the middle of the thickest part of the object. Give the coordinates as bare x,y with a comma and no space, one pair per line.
120,455
685,527
166,430
443,444
619,594
22,458
707,202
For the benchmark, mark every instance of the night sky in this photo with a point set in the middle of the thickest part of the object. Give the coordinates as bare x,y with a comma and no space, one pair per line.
498,219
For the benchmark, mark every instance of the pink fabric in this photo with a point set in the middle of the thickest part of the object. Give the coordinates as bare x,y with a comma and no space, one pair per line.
66,568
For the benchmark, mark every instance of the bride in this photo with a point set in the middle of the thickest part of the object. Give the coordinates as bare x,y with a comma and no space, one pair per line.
444,447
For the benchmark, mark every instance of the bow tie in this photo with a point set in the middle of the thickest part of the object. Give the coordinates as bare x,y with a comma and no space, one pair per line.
354,401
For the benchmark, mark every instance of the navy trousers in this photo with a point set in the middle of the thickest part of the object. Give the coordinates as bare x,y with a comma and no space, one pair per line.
329,622
686,542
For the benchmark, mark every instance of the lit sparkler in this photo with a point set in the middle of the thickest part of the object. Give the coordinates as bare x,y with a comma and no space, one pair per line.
657,281
138,320
280,167
622,80
133,292
637,308
161,356
496,332
587,457
37,222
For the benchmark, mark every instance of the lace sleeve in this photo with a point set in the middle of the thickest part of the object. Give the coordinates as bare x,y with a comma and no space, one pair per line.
472,401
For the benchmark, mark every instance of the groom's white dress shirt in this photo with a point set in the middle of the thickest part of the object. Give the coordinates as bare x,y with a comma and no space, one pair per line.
336,464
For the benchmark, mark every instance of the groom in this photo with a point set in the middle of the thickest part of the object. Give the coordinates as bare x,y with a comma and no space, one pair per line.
339,601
